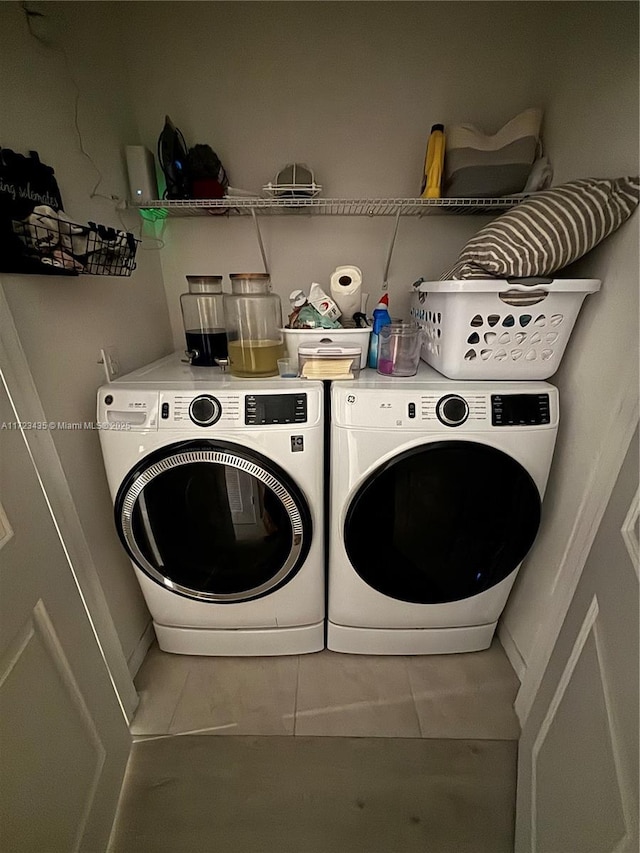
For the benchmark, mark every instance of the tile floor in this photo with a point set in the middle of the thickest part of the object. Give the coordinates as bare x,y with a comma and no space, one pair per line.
317,794
390,755
467,696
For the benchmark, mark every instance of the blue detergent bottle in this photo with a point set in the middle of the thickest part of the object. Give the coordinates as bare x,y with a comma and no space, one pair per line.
381,318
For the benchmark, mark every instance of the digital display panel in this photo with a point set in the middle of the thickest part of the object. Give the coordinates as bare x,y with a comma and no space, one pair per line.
520,409
275,409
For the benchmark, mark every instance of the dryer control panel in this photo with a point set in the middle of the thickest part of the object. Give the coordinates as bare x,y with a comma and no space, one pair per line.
445,407
520,409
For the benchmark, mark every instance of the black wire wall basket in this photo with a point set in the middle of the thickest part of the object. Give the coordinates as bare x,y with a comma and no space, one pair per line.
59,246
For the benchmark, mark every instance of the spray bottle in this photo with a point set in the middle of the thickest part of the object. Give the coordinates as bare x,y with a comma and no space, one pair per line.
381,318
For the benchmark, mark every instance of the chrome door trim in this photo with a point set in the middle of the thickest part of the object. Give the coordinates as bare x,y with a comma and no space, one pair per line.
222,458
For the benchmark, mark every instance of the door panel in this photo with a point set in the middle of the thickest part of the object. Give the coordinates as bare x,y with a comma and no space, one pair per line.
578,762
63,734
36,674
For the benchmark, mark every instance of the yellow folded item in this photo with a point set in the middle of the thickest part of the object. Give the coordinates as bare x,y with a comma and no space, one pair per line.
335,368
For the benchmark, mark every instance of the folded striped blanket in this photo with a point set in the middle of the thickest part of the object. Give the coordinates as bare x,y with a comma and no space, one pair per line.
548,230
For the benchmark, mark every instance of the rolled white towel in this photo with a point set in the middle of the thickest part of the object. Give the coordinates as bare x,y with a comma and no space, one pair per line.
540,176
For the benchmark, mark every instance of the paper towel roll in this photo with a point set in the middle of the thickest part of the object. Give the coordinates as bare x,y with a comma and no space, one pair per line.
346,283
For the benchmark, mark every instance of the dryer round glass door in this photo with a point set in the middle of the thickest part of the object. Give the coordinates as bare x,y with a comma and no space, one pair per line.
442,522
213,521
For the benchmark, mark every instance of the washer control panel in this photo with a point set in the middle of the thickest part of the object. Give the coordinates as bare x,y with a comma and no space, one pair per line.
216,409
520,409
261,409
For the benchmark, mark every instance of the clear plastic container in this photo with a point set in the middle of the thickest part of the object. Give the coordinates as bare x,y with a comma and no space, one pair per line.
399,349
253,319
329,361
203,319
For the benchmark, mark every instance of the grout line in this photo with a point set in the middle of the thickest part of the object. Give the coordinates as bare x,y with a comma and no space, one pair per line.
405,660
180,695
166,735
295,701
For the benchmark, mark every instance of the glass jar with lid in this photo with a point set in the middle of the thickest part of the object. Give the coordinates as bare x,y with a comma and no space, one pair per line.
203,318
253,319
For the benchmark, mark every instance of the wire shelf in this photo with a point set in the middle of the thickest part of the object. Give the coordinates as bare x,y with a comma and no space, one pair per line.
326,206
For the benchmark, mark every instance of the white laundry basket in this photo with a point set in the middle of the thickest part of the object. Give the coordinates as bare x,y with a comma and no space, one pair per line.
496,328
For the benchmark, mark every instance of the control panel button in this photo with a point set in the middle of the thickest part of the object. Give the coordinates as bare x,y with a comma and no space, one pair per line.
412,410
205,410
452,410
164,412
108,400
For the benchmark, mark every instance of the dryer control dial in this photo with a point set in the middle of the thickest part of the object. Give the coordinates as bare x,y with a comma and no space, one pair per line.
205,410
452,410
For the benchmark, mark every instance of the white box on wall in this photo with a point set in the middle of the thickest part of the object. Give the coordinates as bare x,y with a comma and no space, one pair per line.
141,170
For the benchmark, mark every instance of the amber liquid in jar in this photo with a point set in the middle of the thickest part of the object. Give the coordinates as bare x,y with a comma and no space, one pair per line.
255,358
253,319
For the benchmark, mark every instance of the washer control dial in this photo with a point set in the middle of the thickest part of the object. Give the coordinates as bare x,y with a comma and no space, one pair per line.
205,410
452,410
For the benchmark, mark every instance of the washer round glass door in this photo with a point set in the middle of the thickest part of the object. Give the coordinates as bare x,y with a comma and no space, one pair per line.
213,521
442,522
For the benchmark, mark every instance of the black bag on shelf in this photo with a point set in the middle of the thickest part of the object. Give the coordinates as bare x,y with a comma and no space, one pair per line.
206,173
25,183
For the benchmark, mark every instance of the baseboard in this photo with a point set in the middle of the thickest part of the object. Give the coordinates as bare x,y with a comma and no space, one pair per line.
140,652
511,650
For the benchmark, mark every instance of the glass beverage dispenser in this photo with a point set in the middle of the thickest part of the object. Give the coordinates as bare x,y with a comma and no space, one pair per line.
253,318
203,318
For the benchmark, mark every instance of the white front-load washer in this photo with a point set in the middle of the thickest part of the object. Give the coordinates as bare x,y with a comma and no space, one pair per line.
217,486
436,491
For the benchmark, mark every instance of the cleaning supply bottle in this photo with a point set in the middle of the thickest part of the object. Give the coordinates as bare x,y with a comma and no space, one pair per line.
434,163
381,318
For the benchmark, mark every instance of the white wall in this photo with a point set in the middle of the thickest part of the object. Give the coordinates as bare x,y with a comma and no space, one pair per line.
591,130
62,322
352,89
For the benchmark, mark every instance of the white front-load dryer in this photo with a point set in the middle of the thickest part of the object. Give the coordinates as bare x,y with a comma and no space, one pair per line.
436,491
217,486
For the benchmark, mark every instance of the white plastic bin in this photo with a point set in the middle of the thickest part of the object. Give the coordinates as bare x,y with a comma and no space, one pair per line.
496,328
294,338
